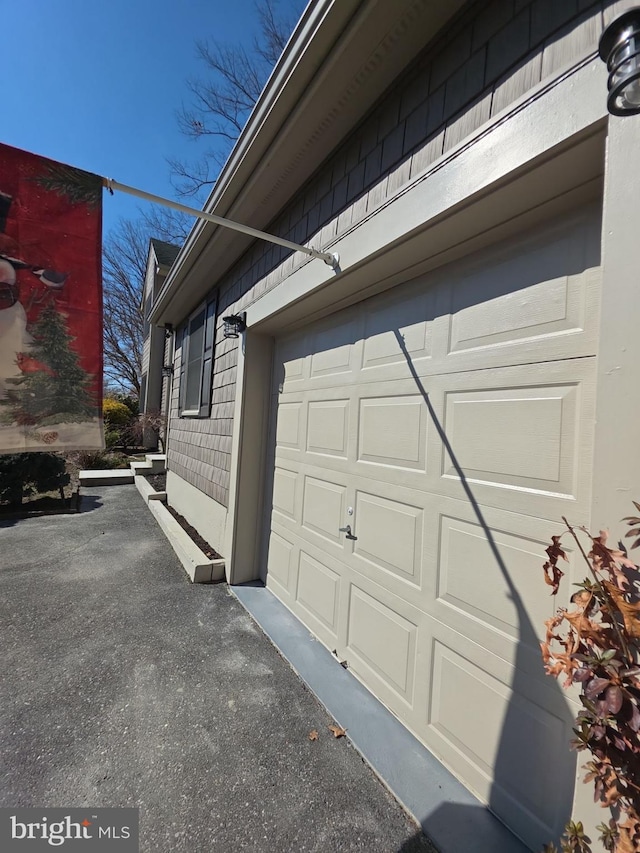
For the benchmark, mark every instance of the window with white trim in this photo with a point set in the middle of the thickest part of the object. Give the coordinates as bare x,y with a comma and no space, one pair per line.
196,341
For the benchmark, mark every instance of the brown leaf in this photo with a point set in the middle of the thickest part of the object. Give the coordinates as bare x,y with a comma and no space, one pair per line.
630,612
337,731
588,630
628,836
552,572
611,794
313,735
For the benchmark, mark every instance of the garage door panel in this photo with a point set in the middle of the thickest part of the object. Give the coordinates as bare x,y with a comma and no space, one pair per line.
390,537
290,426
318,593
382,642
286,487
324,507
496,584
328,427
392,431
520,437
522,444
480,735
539,290
383,639
293,365
411,319
281,563
336,349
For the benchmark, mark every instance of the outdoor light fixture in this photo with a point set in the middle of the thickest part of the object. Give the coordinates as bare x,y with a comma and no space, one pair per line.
234,324
620,49
167,370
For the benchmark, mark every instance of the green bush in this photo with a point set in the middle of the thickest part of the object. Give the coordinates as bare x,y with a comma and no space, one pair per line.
115,413
111,438
130,402
24,474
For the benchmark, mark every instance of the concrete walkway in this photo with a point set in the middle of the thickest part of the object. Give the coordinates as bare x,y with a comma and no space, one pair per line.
124,685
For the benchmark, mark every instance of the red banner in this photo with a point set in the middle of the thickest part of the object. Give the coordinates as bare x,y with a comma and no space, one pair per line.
50,305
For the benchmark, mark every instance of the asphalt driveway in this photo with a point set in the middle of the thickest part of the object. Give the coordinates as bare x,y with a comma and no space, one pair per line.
124,685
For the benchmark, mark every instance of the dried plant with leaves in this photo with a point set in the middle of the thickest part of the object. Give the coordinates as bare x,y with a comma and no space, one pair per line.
596,645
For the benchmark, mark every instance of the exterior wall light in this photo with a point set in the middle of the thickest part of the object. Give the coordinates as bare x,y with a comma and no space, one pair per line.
234,324
620,49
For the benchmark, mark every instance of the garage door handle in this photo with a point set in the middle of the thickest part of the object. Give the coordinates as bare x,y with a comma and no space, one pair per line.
347,530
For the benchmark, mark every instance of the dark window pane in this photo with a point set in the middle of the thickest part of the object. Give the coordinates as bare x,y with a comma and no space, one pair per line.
194,362
192,394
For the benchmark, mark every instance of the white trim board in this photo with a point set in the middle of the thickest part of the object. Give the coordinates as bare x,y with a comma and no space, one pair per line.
532,131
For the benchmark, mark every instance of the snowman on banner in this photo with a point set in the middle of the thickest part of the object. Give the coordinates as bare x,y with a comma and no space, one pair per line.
15,340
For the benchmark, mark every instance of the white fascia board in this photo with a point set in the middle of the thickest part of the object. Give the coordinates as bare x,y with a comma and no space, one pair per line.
538,123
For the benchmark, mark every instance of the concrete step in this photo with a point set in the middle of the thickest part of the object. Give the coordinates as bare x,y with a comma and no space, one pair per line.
141,468
155,463
110,477
158,462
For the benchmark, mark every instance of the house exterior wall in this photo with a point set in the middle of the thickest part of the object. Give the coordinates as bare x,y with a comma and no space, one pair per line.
389,224
486,59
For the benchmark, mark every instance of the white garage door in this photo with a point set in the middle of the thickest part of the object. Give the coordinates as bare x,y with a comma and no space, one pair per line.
449,424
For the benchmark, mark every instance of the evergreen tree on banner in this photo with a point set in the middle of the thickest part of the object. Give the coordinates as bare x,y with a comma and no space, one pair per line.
53,388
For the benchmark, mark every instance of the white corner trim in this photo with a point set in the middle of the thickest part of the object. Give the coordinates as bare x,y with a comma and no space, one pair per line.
236,454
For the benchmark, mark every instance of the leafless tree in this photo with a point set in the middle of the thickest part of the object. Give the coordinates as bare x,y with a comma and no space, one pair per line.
222,99
167,224
124,261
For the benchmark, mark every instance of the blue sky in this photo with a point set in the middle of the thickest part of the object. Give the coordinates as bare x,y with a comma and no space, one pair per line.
96,83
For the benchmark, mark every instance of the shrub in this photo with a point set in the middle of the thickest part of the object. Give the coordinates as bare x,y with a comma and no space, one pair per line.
111,438
23,474
596,645
99,460
115,413
146,425
130,402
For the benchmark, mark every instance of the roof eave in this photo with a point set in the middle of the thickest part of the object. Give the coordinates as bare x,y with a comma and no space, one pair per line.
341,56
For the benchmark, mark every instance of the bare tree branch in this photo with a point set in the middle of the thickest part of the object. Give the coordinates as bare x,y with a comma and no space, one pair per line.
167,224
275,29
124,261
221,102
223,98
